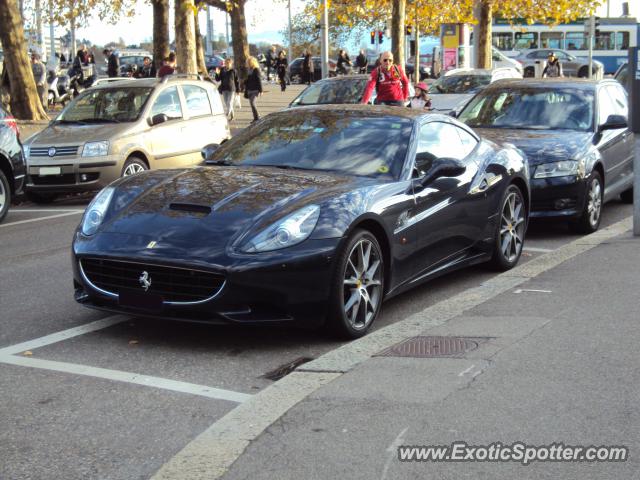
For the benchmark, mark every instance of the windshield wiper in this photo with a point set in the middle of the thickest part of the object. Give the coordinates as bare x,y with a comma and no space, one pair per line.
69,122
99,120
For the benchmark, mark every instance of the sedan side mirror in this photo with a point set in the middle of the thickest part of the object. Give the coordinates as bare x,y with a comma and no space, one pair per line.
208,151
614,122
158,119
443,167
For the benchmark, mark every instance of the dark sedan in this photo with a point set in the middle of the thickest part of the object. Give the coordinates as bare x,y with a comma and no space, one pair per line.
314,218
576,138
12,166
295,69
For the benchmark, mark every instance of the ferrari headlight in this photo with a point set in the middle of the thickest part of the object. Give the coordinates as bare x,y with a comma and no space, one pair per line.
95,149
564,168
287,232
95,212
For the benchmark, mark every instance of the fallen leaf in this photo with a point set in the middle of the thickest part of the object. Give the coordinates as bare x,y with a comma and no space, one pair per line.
28,353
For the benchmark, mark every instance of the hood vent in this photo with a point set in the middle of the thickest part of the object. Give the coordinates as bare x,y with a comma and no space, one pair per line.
191,208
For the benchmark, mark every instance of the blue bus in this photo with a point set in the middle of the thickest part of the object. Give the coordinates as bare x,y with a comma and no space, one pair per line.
610,47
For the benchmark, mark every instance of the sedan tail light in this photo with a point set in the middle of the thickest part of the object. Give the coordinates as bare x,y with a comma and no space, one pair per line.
12,124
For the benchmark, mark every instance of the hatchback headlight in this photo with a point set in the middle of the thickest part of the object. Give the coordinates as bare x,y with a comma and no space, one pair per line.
95,212
26,149
564,168
287,232
95,149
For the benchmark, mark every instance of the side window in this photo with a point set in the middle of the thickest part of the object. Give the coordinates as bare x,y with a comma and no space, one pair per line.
619,98
197,101
605,106
437,140
168,102
216,102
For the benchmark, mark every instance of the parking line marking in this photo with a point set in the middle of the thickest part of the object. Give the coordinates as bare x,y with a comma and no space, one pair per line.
127,377
49,217
45,210
538,249
63,335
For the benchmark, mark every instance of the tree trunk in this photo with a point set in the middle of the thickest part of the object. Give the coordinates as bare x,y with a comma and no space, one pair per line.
185,36
160,31
74,46
25,103
202,66
397,31
485,17
239,39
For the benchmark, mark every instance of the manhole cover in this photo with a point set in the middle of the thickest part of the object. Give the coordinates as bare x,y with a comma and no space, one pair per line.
428,347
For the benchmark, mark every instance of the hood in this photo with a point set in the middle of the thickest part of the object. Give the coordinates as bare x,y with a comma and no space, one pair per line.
445,102
74,134
207,208
542,146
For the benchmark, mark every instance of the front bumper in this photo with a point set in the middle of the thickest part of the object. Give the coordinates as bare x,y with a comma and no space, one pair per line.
291,286
560,197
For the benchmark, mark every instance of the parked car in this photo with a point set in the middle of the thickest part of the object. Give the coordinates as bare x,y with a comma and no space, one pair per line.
338,90
312,218
295,69
122,128
575,136
12,165
622,75
572,66
456,87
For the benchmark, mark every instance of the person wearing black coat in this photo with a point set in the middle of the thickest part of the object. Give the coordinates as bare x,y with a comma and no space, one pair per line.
281,68
307,68
253,85
229,85
113,64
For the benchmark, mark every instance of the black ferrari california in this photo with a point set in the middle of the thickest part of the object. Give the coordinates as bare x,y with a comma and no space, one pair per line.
313,216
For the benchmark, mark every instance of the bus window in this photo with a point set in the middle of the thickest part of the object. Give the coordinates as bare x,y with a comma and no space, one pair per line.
622,41
551,40
502,40
604,41
576,41
526,40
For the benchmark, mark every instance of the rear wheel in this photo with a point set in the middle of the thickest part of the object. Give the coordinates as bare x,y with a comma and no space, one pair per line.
133,166
589,220
41,198
358,286
627,196
512,223
5,195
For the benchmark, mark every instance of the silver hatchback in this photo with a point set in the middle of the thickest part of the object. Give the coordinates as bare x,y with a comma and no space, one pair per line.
122,128
571,66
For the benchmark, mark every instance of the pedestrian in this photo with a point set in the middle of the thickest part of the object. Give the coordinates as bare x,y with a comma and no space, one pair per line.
553,68
113,63
307,67
148,69
344,63
281,68
168,66
421,100
271,60
253,85
390,83
229,85
362,62
40,77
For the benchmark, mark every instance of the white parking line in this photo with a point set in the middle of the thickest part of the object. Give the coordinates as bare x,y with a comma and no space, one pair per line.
8,356
46,210
537,249
76,212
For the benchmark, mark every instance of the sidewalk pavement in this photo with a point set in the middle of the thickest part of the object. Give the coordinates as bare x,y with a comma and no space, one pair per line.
557,362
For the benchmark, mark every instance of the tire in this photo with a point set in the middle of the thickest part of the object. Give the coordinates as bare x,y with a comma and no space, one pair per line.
133,166
41,198
510,230
627,196
357,292
5,195
589,219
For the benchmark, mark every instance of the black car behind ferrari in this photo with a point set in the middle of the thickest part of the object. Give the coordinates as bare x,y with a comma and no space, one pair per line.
314,217
12,165
576,138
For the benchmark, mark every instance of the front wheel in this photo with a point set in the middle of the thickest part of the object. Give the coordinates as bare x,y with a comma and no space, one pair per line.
133,166
589,220
5,195
510,231
358,286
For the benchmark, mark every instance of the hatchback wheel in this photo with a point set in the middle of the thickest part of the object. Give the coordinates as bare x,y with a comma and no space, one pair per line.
133,166
5,195
358,286
589,220
510,231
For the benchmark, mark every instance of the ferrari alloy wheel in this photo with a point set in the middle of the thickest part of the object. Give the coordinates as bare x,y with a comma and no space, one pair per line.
511,229
589,221
359,286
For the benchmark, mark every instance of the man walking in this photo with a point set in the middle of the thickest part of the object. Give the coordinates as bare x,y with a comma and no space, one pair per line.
553,68
272,60
390,83
307,68
113,63
362,62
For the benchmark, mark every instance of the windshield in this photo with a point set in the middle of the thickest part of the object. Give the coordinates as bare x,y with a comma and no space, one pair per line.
344,91
355,143
101,105
543,109
460,84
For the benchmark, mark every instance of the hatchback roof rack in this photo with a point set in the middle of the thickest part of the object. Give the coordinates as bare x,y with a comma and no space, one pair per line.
176,76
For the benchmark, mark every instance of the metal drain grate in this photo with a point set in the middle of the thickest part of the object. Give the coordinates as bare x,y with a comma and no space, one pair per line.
430,347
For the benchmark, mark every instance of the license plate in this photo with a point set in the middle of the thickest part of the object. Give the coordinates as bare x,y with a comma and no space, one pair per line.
50,170
143,301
